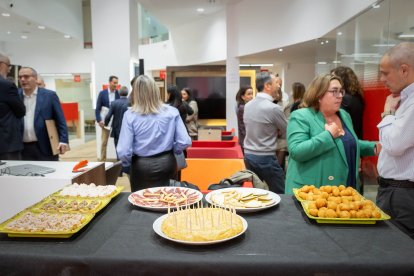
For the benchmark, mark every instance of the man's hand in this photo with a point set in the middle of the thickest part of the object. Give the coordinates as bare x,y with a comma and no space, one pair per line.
101,124
63,148
391,103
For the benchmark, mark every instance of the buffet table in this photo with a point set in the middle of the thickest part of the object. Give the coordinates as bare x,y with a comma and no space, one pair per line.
20,192
281,240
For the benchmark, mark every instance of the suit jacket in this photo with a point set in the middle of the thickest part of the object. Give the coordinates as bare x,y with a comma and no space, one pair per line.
48,108
12,109
118,108
103,100
315,158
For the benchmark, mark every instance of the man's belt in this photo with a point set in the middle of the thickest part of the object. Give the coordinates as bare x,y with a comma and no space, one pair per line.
385,182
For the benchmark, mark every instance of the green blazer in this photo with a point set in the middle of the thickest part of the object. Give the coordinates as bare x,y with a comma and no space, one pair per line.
315,158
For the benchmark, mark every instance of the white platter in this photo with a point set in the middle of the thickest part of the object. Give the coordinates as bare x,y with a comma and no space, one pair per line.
157,229
275,198
164,208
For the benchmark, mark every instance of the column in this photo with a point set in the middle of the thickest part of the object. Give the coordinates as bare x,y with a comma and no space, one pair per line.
232,68
115,49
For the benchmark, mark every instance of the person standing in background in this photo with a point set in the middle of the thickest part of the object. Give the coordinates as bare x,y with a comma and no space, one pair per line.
396,134
117,110
243,96
41,104
265,122
353,101
191,121
103,103
298,90
150,135
40,82
283,101
175,99
12,109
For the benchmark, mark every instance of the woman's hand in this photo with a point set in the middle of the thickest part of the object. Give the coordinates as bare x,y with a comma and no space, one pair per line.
334,130
377,148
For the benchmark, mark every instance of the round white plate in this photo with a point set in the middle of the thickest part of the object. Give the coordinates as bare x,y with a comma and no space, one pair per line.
163,209
275,198
157,228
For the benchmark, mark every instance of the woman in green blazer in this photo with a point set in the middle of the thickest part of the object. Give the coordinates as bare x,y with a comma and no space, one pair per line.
323,147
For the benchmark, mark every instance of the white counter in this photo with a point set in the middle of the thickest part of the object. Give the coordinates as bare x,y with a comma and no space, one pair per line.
20,192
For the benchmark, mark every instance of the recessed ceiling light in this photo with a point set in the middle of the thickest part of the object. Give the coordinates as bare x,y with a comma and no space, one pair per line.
322,62
326,41
67,36
24,36
322,42
406,36
280,50
336,61
200,10
5,14
41,27
383,45
376,6
339,33
8,32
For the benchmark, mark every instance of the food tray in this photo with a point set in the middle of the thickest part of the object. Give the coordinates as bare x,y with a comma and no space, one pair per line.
384,216
101,203
275,198
116,192
42,234
296,194
136,198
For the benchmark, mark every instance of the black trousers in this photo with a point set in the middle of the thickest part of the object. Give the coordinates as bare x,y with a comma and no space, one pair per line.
16,155
152,171
396,198
31,151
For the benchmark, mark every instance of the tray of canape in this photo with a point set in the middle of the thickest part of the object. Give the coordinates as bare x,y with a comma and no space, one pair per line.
162,198
89,191
28,224
70,205
244,200
338,205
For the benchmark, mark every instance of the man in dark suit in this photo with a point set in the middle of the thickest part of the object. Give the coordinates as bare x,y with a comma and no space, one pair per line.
41,104
11,110
103,103
117,110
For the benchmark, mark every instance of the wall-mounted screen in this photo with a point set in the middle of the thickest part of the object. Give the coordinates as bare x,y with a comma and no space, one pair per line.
209,93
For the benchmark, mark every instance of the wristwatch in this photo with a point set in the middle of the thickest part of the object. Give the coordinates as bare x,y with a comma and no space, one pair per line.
389,112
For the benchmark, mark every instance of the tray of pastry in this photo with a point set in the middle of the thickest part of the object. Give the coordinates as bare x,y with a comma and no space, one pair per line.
339,204
28,224
70,205
89,191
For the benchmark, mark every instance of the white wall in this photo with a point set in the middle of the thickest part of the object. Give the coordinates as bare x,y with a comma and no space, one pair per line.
47,57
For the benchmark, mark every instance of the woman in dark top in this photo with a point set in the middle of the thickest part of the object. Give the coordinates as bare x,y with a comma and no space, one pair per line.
244,95
353,100
298,90
175,100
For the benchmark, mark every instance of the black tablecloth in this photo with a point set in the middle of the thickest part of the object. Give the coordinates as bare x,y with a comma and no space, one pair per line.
281,240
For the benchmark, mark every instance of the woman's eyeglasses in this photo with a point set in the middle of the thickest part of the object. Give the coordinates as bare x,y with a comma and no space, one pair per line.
337,92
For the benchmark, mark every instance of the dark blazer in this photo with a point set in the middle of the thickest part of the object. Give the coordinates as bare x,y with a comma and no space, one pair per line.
118,108
48,108
103,100
12,109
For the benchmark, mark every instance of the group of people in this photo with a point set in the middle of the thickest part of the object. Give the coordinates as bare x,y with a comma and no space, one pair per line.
324,132
23,115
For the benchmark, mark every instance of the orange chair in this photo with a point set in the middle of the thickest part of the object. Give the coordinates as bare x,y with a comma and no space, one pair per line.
203,172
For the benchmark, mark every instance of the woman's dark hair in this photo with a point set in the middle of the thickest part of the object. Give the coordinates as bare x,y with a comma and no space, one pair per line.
174,95
349,80
298,90
189,93
240,93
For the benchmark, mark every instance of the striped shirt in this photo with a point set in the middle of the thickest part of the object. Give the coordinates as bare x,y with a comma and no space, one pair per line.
396,135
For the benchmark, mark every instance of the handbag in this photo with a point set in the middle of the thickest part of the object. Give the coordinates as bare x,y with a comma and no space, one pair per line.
184,184
181,163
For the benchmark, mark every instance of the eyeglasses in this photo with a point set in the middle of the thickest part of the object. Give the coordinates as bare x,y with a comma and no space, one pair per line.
337,92
25,76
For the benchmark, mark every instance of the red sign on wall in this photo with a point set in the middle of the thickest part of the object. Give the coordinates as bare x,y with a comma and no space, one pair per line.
76,78
162,74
